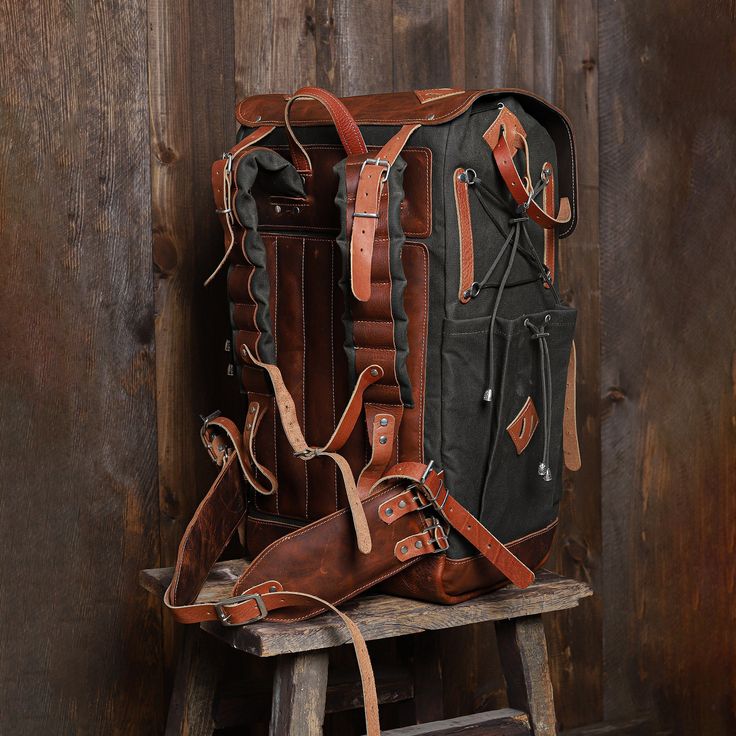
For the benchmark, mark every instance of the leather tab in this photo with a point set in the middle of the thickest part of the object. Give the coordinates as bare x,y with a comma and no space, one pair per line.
570,443
548,205
522,427
465,232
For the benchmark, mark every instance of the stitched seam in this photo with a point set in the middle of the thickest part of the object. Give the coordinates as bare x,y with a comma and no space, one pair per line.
304,382
352,593
304,530
423,368
275,351
515,543
332,351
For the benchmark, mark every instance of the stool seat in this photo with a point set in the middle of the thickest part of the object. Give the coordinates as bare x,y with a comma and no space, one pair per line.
301,675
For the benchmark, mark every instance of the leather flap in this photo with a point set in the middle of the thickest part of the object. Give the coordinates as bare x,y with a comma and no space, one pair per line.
402,108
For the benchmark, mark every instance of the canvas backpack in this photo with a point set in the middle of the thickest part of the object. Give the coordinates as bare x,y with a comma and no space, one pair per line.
406,362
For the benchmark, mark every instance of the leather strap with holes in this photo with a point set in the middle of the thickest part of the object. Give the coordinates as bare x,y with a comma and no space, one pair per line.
425,487
367,232
506,136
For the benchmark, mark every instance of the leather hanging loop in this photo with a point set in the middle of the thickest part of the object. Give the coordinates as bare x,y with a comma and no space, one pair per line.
347,128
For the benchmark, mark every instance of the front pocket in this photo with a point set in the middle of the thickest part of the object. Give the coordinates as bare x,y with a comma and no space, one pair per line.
492,471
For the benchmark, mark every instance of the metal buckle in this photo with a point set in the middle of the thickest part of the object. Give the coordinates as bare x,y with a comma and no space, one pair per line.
377,162
229,165
439,538
225,617
431,499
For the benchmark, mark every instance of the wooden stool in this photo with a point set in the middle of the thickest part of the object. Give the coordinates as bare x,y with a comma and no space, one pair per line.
300,683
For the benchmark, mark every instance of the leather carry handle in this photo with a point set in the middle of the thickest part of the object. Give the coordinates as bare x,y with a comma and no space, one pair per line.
347,128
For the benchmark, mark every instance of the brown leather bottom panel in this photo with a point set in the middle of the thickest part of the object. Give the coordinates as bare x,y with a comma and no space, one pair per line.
441,580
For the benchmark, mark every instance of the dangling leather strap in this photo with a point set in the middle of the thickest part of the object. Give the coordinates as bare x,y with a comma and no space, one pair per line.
222,190
371,182
214,522
293,432
427,490
507,127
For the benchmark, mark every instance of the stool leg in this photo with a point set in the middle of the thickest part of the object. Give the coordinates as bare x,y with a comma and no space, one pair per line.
195,682
299,693
523,649
427,675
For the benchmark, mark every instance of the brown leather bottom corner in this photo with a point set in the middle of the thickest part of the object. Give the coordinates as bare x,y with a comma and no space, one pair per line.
441,580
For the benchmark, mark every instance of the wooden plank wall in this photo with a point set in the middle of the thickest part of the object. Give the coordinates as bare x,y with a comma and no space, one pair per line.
111,115
80,643
668,127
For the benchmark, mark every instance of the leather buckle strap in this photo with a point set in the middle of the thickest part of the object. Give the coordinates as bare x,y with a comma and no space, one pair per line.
225,617
432,492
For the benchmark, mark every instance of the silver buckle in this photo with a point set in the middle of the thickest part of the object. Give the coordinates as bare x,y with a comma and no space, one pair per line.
225,617
377,162
429,499
439,538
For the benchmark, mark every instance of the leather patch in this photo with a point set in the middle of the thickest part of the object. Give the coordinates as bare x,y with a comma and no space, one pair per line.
522,428
439,93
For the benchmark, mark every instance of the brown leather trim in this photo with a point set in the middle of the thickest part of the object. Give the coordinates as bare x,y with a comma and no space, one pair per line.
430,95
548,205
401,108
570,444
439,579
522,427
317,212
465,232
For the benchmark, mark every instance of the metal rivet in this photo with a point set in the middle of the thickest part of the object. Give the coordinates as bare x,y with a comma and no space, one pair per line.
248,426
272,589
297,210
402,504
244,351
252,410
404,549
258,119
383,439
418,544
430,117
277,209
374,371
384,422
389,512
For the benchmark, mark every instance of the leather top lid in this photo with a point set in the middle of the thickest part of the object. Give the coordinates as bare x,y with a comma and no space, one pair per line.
427,107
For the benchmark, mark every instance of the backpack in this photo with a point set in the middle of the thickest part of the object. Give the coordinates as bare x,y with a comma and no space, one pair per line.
406,362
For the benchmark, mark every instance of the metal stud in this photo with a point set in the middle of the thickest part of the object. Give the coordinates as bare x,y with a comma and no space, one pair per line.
248,426
272,589
402,504
277,209
384,422
383,439
389,512
404,549
419,544
374,371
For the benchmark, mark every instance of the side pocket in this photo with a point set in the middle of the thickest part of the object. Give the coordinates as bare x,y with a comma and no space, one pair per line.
491,451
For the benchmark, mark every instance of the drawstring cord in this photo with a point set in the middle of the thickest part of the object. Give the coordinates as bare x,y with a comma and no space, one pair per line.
513,236
540,335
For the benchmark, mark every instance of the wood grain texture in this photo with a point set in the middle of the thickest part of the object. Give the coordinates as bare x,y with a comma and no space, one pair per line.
523,649
505,722
199,668
575,638
379,617
191,93
81,648
299,693
668,133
